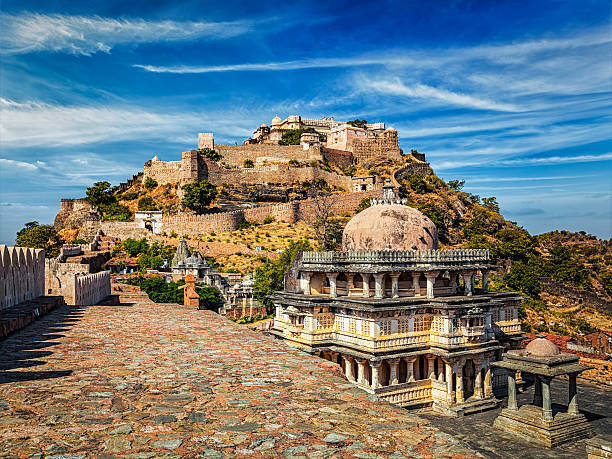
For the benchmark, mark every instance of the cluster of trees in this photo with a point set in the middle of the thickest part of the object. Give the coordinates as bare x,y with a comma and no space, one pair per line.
358,123
198,196
269,278
39,236
210,154
101,196
292,137
150,256
161,291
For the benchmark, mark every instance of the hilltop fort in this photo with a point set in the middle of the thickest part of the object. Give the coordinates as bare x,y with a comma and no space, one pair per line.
276,164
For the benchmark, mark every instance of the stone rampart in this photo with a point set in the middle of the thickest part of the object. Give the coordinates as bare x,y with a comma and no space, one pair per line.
375,148
235,155
291,212
123,186
421,169
339,157
58,274
124,230
280,174
75,212
87,289
163,172
22,274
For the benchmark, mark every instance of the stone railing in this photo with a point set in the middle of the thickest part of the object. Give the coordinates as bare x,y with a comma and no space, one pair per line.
410,393
509,328
397,340
404,256
22,274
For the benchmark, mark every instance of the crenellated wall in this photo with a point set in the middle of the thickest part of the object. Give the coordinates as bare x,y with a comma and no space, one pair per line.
88,289
22,274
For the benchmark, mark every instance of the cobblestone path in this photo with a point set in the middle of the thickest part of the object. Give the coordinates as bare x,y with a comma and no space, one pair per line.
166,381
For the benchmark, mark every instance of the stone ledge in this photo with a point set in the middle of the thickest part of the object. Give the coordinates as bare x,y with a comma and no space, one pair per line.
21,315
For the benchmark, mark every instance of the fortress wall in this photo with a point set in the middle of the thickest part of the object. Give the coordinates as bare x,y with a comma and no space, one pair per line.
339,157
280,174
87,289
124,230
58,275
22,275
203,225
163,172
385,147
235,155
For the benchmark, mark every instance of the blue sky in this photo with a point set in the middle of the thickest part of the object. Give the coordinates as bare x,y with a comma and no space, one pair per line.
513,99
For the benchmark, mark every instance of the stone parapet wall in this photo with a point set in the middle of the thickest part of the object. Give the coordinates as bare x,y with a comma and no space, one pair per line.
340,158
124,230
421,169
280,174
22,274
235,155
87,289
290,212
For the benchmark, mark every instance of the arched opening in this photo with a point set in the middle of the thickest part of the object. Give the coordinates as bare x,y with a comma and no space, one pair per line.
469,376
403,371
342,284
148,225
405,284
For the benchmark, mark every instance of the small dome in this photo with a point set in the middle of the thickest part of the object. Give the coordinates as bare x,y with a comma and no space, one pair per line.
263,125
276,121
541,347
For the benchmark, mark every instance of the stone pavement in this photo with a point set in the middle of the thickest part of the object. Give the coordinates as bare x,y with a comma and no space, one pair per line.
155,380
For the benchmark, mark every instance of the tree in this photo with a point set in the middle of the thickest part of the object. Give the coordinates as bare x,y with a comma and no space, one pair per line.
363,204
248,163
524,277
210,154
150,183
39,237
292,137
358,123
269,278
147,203
327,231
456,185
491,203
100,194
198,196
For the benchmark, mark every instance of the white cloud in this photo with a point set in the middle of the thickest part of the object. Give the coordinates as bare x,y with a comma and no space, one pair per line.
421,91
10,164
86,35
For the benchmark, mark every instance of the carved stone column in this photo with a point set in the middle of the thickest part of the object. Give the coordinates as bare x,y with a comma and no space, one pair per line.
431,280
415,283
485,281
459,381
449,383
395,285
512,405
333,292
573,395
488,388
394,373
467,282
410,368
306,277
366,285
546,401
375,374
478,392
431,370
348,367
361,371
378,285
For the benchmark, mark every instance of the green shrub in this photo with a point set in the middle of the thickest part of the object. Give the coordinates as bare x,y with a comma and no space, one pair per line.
248,163
147,204
269,219
210,154
39,237
150,183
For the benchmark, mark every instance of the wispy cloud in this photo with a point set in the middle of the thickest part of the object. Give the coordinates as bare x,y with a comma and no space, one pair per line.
12,164
86,35
421,91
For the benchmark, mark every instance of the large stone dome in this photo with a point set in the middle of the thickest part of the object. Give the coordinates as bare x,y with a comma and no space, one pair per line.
389,225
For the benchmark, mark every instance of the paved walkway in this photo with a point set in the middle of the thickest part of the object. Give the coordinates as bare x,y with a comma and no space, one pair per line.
153,380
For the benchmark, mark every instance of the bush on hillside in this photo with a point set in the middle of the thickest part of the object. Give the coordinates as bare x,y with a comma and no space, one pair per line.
39,237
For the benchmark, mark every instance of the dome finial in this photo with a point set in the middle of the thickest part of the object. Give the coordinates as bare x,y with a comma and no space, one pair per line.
389,195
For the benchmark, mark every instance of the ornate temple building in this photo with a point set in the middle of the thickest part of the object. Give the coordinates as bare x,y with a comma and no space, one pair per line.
402,318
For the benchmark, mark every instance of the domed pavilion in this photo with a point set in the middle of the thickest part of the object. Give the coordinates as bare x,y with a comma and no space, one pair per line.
402,318
537,422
